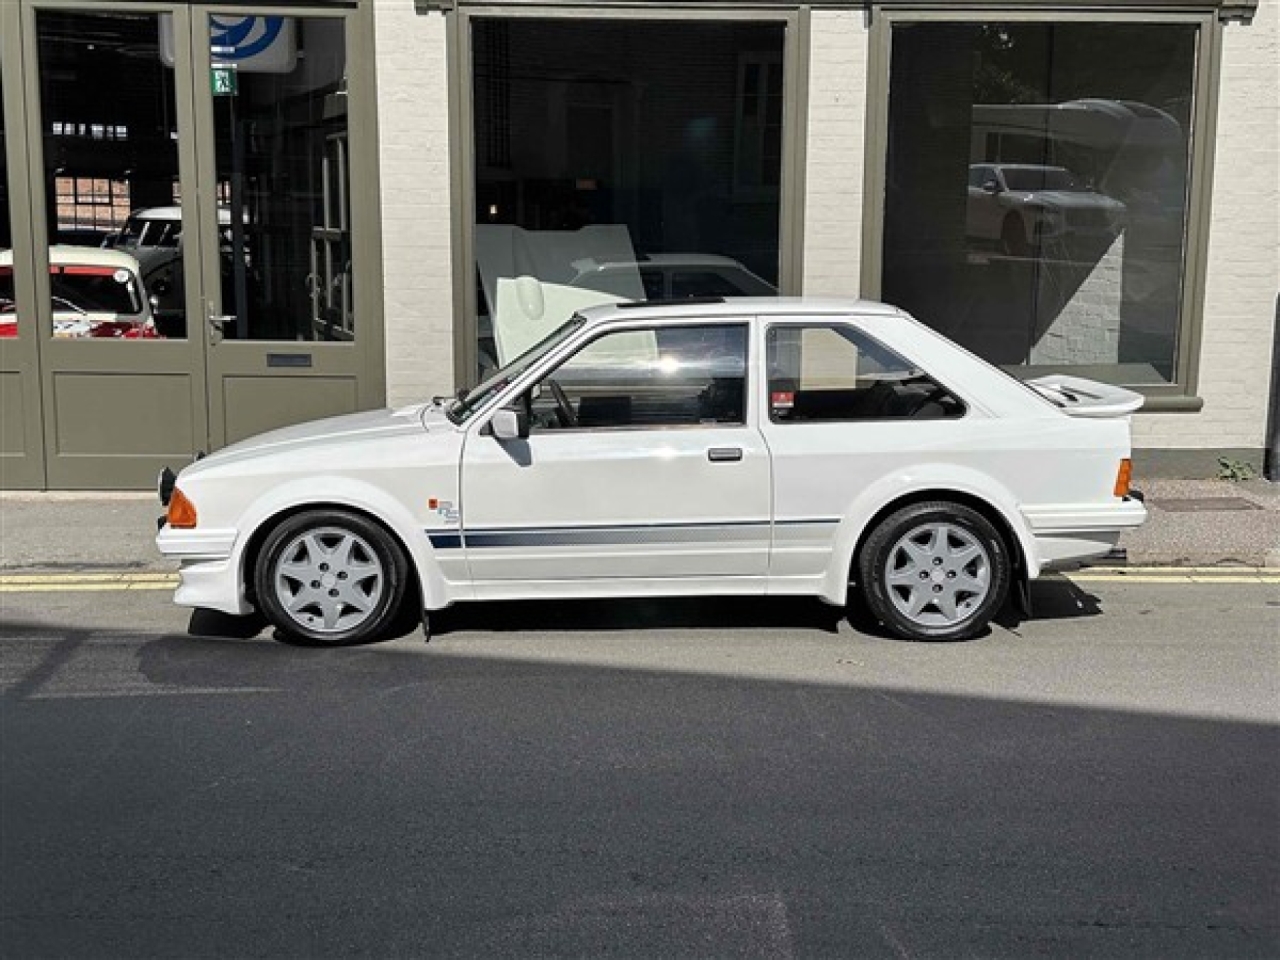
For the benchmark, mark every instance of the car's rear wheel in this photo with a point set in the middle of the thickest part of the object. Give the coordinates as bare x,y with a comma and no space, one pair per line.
934,571
330,578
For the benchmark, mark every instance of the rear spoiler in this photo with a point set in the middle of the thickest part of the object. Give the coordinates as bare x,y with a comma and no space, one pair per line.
1086,398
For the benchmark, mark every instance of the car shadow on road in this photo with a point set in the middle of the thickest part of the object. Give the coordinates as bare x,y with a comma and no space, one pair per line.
1052,598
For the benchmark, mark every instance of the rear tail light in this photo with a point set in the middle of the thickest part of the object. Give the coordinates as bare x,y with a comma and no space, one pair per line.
182,512
1123,477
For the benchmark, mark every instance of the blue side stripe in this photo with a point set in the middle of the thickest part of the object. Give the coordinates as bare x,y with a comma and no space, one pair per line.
655,533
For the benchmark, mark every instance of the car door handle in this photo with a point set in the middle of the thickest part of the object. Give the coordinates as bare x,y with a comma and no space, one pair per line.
724,454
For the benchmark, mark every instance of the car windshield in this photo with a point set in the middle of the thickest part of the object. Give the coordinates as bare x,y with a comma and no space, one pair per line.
95,289
1041,178
471,401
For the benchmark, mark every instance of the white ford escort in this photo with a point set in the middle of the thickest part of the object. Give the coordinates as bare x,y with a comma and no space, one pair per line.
730,447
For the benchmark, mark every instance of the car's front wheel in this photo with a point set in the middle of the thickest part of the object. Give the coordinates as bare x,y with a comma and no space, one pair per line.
934,571
330,578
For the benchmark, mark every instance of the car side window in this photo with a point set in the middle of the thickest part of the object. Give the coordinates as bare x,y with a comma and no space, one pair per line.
833,372
677,376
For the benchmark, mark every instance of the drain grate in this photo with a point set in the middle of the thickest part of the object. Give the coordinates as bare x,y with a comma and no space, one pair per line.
1205,504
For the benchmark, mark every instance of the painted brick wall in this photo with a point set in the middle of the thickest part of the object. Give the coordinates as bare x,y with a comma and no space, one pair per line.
413,134
1244,252
837,114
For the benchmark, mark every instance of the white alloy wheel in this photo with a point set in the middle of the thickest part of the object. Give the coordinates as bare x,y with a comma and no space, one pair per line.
331,577
329,580
938,574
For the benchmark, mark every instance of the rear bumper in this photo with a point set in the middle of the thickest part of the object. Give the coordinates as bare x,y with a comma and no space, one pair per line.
1068,534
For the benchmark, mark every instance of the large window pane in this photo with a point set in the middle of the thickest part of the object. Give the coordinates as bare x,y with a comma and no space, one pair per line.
110,128
1036,192
283,178
621,161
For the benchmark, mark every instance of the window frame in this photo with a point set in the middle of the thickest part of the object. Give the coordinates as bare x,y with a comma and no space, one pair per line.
525,395
462,131
1180,395
832,324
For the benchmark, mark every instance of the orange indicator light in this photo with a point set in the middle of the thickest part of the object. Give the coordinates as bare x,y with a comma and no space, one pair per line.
182,512
1123,477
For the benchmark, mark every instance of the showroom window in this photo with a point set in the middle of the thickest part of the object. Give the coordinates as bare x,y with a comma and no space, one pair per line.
615,160
1037,177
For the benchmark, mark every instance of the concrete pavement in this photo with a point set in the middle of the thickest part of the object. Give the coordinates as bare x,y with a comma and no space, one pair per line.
1192,523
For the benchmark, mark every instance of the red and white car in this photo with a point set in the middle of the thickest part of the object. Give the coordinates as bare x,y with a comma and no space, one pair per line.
94,293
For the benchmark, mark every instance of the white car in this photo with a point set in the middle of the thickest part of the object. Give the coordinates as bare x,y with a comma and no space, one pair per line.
745,447
1022,205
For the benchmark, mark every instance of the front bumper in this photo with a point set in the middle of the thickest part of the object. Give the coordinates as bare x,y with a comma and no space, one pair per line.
209,569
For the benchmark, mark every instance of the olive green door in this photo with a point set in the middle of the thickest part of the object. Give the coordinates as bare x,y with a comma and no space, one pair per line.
114,249
290,289
188,264
21,444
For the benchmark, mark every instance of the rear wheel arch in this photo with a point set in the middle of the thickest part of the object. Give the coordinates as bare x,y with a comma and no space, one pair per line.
992,513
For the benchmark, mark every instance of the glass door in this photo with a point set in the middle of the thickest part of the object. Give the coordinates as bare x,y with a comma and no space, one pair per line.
116,252
286,341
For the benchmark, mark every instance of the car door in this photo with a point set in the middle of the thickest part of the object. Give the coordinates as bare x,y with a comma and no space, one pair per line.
643,461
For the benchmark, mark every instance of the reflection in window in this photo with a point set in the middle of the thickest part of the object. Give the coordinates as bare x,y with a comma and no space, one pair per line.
282,166
675,376
107,99
612,157
1036,190
836,372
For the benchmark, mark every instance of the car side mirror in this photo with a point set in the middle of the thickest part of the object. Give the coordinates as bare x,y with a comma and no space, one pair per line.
990,186
510,424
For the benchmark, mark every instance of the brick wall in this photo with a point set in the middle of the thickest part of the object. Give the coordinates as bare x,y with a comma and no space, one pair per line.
836,147
413,149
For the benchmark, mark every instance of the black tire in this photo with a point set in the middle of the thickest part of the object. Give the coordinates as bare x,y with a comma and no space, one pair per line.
1013,237
932,558
350,595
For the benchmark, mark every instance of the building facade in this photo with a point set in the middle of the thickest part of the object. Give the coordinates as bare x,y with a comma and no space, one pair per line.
218,219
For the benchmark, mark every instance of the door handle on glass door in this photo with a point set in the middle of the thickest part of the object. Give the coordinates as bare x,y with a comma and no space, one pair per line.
724,454
218,324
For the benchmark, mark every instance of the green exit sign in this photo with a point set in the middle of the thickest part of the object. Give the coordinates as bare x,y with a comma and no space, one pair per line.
222,81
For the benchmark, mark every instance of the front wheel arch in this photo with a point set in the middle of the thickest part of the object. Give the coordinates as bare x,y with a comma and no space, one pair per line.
253,548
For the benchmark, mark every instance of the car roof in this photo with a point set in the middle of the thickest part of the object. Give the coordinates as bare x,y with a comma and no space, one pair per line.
174,213
62,255
657,260
1025,166
798,307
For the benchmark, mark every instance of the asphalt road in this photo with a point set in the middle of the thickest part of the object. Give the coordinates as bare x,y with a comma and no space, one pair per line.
677,779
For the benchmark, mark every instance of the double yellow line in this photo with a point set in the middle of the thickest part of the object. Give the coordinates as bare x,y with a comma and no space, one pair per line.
104,582
1182,575
82,582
